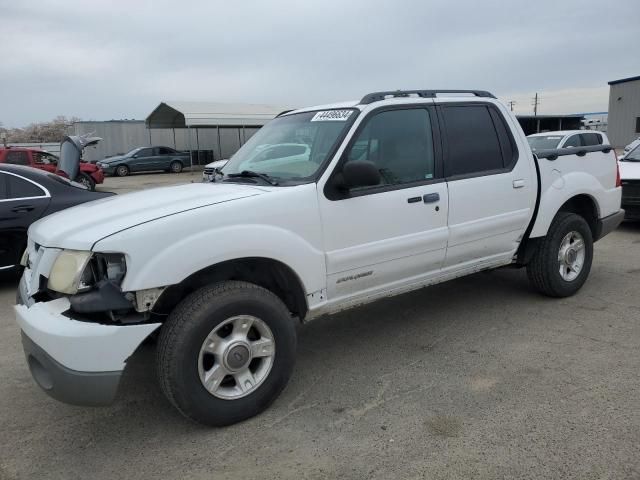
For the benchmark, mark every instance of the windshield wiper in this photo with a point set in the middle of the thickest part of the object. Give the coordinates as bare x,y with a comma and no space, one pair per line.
252,174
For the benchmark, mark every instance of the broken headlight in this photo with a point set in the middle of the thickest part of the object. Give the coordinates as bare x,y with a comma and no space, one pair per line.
77,271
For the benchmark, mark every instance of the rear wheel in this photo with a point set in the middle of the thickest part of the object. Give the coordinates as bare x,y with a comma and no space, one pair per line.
226,352
562,262
122,170
87,181
175,167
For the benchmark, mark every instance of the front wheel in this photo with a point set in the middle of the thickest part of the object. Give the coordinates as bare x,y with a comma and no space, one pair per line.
563,259
122,170
226,352
87,181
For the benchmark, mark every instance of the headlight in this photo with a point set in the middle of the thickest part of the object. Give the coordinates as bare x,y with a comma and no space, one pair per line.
67,270
77,271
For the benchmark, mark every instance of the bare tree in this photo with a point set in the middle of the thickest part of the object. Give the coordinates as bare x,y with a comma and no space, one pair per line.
41,132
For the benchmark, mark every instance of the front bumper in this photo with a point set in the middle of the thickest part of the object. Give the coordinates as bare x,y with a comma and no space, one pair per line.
608,224
75,361
98,176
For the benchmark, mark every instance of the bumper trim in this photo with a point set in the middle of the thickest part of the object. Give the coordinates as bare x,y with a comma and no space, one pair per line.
66,385
608,224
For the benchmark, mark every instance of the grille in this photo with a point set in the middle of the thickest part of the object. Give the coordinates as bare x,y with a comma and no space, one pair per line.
208,171
631,191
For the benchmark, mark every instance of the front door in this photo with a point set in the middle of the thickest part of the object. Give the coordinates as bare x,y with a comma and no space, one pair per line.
492,186
395,233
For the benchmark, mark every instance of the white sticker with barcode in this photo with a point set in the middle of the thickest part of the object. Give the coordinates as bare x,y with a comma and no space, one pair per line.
332,116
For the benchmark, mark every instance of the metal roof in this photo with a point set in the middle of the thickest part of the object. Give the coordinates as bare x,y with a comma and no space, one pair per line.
623,80
208,114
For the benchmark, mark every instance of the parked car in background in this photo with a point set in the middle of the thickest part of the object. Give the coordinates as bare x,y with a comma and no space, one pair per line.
631,146
398,191
26,195
566,139
630,178
212,169
145,159
89,174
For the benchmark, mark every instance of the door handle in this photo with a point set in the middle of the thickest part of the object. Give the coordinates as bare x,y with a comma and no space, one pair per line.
22,209
518,183
431,197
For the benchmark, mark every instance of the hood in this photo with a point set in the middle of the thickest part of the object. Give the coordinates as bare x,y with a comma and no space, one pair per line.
115,158
82,226
71,152
629,170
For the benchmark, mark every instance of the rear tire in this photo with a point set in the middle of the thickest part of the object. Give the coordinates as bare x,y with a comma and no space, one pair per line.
563,259
175,167
122,170
87,181
210,322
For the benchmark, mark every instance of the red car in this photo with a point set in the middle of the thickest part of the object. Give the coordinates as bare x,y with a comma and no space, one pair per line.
89,174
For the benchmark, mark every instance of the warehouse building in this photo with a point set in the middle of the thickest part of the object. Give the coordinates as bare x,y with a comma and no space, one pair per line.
624,111
211,131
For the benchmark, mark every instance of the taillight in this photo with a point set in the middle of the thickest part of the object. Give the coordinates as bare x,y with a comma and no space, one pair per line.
618,179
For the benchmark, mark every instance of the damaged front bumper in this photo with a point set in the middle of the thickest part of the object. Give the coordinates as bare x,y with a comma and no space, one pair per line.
74,361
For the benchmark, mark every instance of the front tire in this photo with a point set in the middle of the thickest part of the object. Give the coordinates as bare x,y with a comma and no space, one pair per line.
226,352
122,170
563,259
87,181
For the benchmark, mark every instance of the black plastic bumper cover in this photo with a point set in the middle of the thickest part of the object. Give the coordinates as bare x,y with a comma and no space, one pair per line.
66,385
608,224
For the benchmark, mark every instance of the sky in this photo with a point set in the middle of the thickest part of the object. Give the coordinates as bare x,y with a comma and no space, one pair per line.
101,60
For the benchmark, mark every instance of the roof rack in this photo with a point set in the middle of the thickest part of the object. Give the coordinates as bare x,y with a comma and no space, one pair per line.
378,96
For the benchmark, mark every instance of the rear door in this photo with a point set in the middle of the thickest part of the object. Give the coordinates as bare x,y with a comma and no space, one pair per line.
22,202
491,184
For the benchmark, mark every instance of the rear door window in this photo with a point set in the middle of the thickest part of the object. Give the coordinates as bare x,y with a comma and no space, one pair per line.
3,186
473,142
17,157
21,188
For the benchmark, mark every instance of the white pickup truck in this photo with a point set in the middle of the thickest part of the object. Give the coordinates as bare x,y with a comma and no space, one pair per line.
394,192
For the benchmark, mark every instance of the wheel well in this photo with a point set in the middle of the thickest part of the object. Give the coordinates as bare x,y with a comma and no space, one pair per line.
584,206
271,274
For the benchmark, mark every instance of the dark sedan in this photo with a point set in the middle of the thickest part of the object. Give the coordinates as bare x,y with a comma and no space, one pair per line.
145,159
27,194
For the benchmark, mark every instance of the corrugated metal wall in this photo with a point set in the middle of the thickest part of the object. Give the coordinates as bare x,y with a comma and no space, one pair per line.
624,109
118,137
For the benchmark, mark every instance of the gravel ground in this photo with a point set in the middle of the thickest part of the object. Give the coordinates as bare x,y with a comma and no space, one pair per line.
475,378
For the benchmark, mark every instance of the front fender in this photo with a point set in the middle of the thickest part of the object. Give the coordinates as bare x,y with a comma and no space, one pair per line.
167,250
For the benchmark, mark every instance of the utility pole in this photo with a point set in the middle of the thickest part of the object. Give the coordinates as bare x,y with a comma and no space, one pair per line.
511,104
535,101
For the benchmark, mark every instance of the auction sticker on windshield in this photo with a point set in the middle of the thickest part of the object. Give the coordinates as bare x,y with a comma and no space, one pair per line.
332,116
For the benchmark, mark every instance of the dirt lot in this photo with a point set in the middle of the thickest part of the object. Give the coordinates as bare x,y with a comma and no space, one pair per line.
476,378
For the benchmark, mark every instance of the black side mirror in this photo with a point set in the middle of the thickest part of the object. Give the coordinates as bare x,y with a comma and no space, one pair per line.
360,173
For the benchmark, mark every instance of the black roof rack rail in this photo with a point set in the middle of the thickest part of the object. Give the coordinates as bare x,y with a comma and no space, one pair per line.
378,96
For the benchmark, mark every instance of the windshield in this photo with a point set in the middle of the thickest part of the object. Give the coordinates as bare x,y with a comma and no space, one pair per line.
544,142
128,154
633,155
292,147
